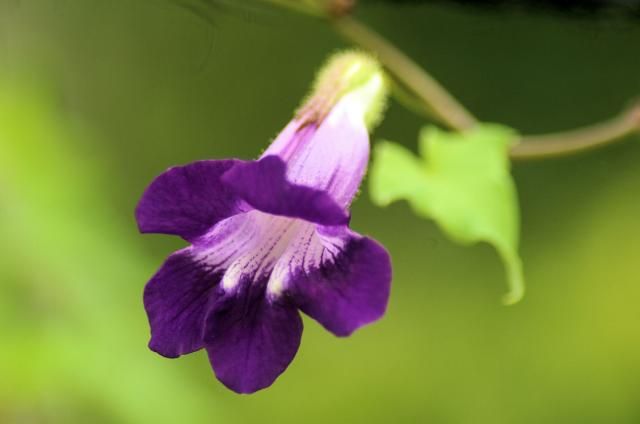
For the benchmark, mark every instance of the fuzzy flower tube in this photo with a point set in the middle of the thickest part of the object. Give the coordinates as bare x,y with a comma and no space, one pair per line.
269,238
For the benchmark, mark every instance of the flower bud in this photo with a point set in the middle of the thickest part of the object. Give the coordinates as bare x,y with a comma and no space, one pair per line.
352,77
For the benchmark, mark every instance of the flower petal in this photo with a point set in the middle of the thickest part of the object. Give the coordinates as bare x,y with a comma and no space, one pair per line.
332,157
177,300
181,294
187,200
250,339
264,186
342,280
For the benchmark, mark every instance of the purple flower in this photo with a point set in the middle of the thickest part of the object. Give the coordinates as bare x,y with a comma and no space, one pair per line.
268,238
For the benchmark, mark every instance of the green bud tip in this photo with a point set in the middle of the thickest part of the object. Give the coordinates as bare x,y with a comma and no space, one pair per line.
349,73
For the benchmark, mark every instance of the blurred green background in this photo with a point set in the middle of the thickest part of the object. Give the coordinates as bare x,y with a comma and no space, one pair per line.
98,97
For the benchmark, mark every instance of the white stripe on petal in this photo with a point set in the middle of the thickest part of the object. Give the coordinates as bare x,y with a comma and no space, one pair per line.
308,251
256,246
249,246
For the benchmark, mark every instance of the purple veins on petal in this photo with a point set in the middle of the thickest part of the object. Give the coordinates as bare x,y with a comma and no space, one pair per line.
347,291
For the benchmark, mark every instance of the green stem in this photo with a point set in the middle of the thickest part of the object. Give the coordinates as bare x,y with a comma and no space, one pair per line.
426,96
437,102
442,105
578,140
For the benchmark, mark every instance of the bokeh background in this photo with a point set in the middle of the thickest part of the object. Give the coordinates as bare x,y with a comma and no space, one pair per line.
98,97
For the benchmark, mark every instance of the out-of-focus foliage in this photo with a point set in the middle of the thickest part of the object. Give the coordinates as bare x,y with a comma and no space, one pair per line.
133,87
462,181
72,329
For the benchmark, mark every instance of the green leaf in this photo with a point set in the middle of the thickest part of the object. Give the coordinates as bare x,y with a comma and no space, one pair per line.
462,181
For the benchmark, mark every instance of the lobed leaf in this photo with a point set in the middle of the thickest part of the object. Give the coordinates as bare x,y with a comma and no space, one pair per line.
461,181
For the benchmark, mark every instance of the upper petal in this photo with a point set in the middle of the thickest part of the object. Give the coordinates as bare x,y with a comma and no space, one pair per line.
188,200
264,186
337,277
251,339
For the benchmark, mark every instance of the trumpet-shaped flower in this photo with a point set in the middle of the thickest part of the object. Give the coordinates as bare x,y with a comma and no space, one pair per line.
269,238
